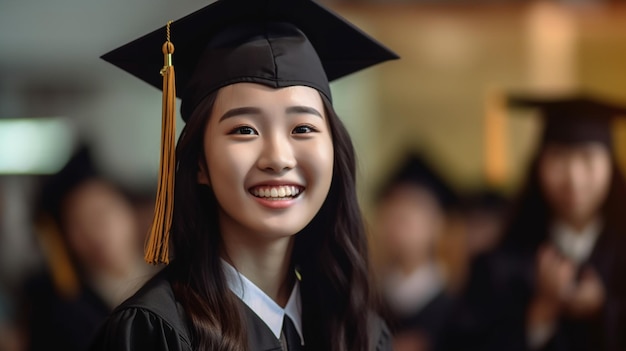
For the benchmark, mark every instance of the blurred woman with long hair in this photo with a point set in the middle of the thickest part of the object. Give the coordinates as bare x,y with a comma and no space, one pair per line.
557,281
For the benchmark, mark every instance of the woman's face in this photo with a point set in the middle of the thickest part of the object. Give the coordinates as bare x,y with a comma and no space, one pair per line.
575,179
101,227
411,219
268,158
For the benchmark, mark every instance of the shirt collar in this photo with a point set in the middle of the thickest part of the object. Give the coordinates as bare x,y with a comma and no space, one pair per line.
264,307
573,244
407,294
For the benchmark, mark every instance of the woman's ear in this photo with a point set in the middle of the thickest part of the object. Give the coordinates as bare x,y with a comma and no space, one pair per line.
203,174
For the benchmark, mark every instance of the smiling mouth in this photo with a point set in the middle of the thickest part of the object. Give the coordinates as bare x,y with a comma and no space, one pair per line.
281,192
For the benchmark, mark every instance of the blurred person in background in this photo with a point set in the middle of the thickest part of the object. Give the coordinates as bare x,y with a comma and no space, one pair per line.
476,229
143,202
88,230
483,214
412,212
10,336
557,281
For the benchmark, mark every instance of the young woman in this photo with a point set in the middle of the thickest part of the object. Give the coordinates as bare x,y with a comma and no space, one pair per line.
557,281
269,250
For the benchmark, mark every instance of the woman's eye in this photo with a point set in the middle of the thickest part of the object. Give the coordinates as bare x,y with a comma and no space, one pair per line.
303,129
244,130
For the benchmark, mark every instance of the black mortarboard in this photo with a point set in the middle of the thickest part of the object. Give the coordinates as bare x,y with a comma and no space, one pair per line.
277,43
573,118
57,187
415,170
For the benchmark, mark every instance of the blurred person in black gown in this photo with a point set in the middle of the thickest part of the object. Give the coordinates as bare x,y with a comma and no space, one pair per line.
412,210
10,336
483,214
557,280
89,236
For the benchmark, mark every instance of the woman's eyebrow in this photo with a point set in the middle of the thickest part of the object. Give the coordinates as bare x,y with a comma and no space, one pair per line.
304,109
240,111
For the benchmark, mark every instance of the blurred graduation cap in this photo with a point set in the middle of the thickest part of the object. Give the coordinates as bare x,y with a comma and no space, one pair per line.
416,171
58,186
484,199
573,118
277,43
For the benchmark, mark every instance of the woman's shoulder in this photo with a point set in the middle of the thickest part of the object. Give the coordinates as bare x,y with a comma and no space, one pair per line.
150,319
380,336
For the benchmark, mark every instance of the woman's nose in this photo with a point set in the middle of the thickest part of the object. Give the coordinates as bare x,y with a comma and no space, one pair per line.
277,155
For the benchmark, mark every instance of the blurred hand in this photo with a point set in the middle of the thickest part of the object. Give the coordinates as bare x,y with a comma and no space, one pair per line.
555,279
588,296
410,341
555,276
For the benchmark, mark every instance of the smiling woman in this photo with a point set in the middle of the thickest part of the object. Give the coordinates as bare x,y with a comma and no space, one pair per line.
270,251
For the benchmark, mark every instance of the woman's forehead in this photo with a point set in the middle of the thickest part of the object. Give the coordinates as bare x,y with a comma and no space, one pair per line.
258,95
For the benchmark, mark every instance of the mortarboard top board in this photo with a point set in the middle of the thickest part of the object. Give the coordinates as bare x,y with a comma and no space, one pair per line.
573,118
415,170
273,42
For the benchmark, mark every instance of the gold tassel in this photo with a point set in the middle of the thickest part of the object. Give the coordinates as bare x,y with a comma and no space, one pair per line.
63,273
157,244
495,138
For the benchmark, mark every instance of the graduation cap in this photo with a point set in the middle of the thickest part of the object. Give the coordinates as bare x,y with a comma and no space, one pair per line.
277,43
573,118
416,171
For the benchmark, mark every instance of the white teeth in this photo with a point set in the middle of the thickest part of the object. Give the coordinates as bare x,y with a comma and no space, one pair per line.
276,191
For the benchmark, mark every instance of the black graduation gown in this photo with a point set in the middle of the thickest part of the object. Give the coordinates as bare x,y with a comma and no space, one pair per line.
54,322
152,319
492,315
429,320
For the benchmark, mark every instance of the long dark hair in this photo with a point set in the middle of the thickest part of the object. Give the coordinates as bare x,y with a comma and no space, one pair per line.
531,215
330,253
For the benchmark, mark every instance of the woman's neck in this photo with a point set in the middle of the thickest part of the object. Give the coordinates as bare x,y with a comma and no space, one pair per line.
410,264
265,262
579,224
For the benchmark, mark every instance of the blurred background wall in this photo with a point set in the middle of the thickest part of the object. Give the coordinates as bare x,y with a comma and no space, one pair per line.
443,98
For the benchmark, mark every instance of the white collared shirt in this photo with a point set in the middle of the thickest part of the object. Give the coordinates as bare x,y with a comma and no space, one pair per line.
264,307
408,294
573,244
